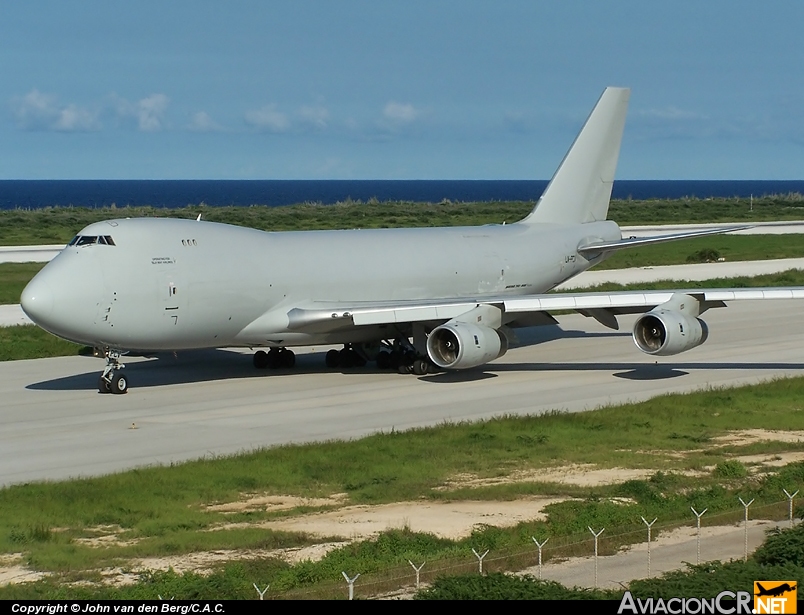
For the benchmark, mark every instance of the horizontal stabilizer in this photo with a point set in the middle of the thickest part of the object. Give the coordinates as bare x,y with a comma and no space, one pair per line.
633,242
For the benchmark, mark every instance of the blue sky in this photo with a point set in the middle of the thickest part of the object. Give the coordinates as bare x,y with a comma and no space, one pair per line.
395,90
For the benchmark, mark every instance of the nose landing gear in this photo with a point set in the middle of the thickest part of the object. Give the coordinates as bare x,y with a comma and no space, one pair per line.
112,380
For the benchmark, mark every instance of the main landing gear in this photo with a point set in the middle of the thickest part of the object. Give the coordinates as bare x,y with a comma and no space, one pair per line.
347,358
275,358
397,357
112,380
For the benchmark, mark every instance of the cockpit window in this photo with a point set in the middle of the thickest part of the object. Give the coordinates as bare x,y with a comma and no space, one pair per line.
87,240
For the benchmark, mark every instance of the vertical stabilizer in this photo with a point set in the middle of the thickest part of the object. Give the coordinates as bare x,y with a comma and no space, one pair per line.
581,187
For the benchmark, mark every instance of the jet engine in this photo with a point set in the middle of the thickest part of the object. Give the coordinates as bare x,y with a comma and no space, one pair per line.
666,332
461,345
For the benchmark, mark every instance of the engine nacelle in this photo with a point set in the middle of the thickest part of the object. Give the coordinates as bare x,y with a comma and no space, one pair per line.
665,332
461,345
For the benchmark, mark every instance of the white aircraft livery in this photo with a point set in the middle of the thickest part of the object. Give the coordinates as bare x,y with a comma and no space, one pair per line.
418,300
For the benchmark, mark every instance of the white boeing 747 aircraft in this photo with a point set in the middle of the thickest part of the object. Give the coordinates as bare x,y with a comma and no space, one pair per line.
450,301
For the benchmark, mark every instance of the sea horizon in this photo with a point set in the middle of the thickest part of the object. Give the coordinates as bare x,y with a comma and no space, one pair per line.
36,194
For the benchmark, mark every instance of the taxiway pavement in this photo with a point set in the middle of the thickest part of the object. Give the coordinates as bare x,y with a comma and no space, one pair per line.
54,424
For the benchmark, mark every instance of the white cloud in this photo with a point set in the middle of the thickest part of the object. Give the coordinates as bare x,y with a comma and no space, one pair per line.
202,122
149,112
38,111
402,113
268,118
317,117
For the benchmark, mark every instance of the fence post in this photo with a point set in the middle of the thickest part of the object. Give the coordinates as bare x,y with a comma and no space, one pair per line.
790,500
698,542
596,537
263,592
480,559
418,570
540,554
351,583
650,525
745,543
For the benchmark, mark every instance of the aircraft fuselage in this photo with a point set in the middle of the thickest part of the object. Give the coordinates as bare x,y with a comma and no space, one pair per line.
168,284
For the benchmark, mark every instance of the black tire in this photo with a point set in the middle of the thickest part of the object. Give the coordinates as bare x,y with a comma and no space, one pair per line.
384,360
333,359
346,358
103,386
287,358
260,359
274,358
420,367
118,384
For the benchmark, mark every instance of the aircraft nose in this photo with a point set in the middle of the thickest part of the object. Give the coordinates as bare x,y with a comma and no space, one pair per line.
37,300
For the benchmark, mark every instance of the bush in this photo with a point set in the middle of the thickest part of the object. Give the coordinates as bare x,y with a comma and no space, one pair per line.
705,255
499,586
730,469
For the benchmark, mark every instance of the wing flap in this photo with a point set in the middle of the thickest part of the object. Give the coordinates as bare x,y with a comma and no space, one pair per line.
410,313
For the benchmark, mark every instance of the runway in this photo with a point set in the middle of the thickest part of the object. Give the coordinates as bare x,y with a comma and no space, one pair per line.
55,425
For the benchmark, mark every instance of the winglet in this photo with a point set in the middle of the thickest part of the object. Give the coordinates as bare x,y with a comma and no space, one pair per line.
581,187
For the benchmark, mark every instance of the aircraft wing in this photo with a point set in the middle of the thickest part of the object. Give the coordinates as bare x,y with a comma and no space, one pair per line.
601,305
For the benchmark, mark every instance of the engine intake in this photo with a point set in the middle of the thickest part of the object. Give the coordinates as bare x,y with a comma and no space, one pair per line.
664,332
461,345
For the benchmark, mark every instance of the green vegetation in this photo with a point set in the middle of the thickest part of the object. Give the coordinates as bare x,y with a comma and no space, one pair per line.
60,224
500,586
31,342
793,277
165,510
13,278
709,249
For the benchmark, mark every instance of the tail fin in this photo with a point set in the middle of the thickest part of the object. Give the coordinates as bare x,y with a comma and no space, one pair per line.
581,187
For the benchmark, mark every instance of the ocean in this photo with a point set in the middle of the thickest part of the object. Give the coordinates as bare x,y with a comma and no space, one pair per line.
32,194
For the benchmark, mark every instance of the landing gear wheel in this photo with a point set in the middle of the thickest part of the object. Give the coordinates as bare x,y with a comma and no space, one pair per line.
384,360
287,358
420,367
273,358
346,358
118,384
112,379
333,359
260,359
